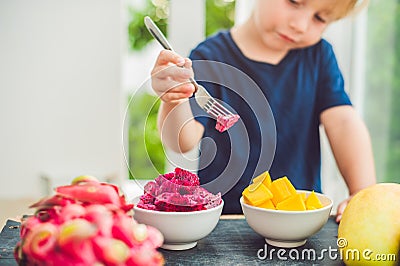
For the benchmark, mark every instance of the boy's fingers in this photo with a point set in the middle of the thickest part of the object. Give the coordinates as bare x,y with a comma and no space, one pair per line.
186,88
179,74
188,63
174,96
338,218
170,76
166,57
176,87
339,212
340,209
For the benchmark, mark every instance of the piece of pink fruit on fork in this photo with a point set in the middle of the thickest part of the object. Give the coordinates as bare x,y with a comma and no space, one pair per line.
224,122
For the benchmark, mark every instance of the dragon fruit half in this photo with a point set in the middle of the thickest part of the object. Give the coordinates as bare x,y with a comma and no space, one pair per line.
178,191
86,223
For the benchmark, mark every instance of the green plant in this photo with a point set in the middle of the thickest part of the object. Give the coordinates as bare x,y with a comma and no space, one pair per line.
219,15
383,87
393,166
139,37
146,155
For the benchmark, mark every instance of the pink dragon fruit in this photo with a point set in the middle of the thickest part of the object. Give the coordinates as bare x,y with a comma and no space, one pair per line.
86,223
179,191
224,122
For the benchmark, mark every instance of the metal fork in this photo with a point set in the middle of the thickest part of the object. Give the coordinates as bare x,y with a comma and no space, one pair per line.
212,107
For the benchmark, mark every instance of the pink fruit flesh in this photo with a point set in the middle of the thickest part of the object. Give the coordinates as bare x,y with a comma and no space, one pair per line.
179,191
225,122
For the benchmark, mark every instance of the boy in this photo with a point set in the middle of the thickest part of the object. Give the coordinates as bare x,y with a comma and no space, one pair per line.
279,48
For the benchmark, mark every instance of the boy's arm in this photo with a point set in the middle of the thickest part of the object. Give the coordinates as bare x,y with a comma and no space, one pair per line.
178,129
170,75
351,146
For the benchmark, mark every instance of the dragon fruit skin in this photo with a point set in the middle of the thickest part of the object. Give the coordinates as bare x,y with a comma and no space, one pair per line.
178,191
86,223
91,193
41,240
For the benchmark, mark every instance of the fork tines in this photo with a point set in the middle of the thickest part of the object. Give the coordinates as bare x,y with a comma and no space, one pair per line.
216,109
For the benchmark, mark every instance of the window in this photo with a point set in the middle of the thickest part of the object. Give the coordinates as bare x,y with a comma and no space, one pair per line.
381,98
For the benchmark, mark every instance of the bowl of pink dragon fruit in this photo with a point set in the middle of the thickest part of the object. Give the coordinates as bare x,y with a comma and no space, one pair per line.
182,210
86,223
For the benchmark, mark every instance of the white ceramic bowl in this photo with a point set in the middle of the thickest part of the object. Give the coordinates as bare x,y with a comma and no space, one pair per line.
287,229
181,230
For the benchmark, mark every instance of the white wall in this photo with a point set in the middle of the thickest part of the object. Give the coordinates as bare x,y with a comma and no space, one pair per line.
60,95
186,29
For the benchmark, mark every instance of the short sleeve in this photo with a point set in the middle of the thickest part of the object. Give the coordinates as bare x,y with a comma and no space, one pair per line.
330,81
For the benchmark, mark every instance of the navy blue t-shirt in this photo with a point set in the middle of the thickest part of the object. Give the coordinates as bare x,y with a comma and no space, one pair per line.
279,108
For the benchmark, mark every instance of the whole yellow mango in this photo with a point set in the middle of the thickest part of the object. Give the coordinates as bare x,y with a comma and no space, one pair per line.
369,232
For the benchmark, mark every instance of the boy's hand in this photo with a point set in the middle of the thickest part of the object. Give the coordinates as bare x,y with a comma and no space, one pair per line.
340,209
170,77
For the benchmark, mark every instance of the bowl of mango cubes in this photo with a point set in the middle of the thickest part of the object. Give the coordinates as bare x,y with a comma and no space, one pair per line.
284,216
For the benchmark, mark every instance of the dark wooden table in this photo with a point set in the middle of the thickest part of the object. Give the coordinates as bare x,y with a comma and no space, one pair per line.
9,237
232,242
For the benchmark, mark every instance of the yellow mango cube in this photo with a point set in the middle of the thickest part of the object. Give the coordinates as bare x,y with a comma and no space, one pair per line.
303,196
292,203
256,194
313,202
245,200
264,178
267,205
279,194
282,189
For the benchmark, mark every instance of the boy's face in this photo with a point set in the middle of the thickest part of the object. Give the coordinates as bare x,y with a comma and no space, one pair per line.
291,24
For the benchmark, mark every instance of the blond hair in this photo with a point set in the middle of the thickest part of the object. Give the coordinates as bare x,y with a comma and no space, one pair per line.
352,7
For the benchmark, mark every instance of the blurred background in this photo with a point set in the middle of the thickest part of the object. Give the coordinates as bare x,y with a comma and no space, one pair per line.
76,97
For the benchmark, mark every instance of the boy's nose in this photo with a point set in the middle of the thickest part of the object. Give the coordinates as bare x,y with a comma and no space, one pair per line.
300,22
